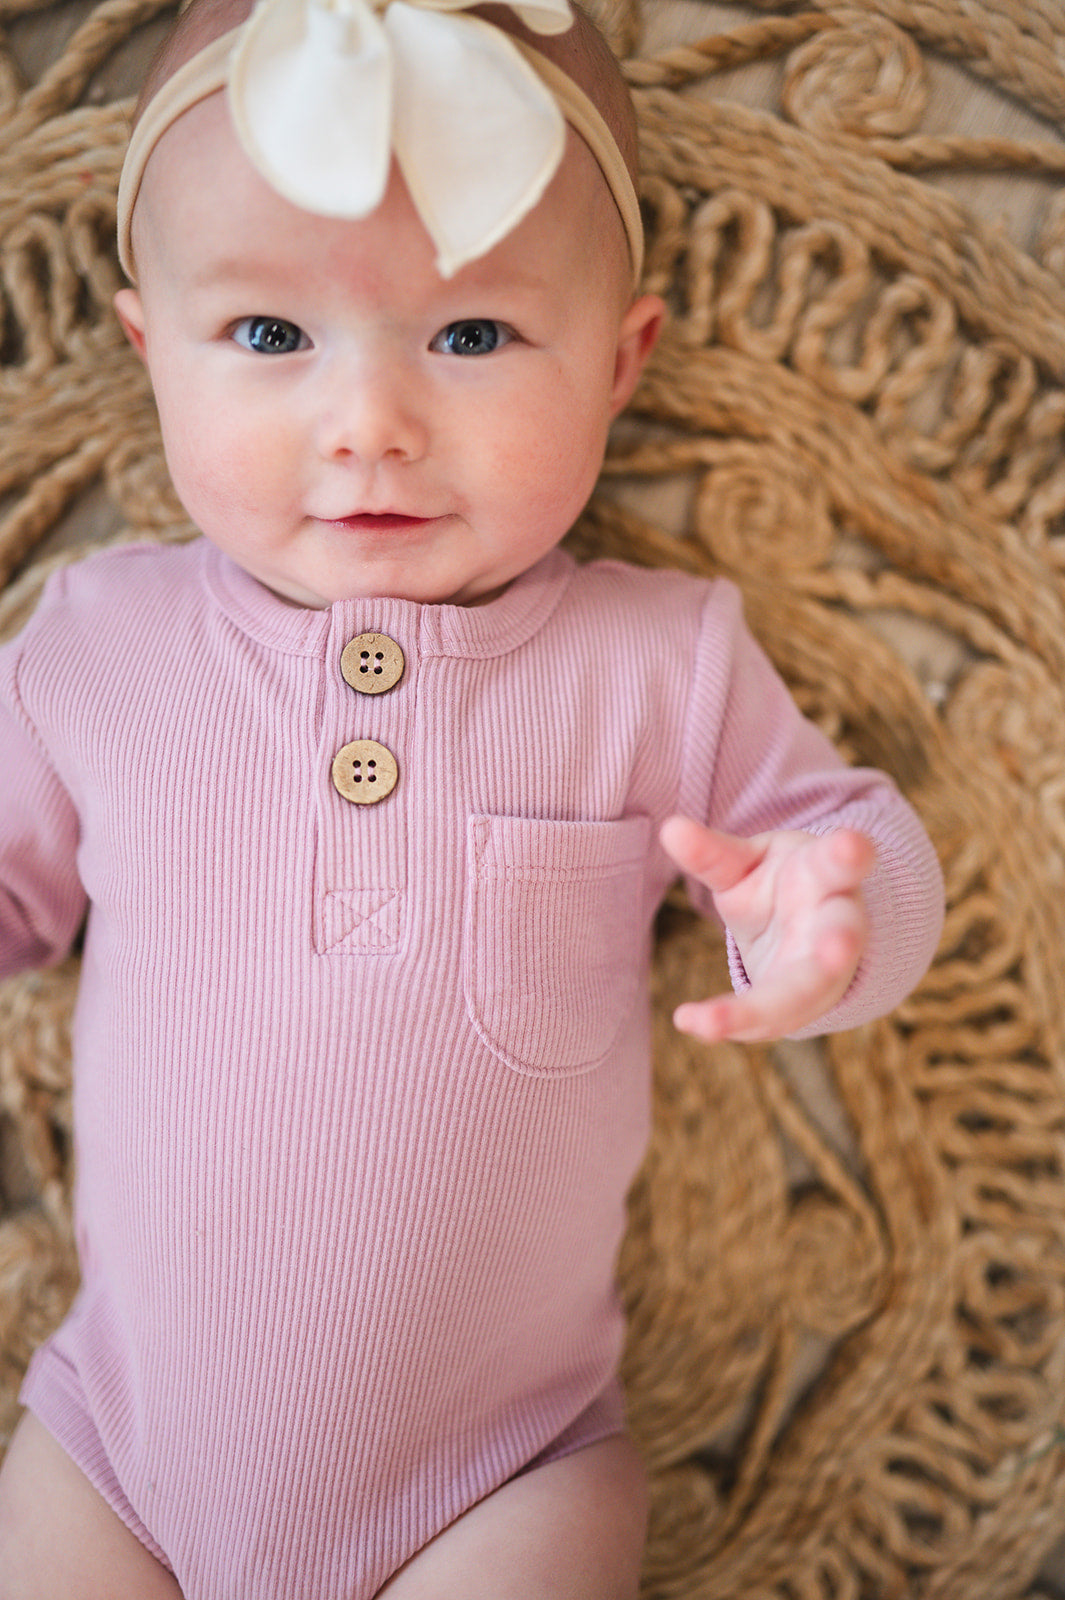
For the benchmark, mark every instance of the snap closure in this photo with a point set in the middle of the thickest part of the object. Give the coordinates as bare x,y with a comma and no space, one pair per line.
372,663
364,772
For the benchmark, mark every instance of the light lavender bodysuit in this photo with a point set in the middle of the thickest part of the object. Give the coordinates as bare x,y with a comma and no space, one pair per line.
360,1088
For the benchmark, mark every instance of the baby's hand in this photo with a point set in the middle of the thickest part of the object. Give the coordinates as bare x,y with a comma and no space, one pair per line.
794,905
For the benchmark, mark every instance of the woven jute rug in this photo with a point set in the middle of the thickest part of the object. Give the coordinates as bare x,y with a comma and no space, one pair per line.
846,1262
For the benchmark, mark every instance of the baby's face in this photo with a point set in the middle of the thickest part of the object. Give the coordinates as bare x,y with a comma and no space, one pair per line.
343,422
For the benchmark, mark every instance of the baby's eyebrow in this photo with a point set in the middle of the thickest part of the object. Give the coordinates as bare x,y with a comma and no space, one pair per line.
228,271
499,294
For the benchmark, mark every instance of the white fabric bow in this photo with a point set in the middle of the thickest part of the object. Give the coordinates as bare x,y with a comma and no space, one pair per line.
324,92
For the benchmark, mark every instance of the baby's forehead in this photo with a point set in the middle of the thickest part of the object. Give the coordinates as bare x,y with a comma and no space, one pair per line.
237,226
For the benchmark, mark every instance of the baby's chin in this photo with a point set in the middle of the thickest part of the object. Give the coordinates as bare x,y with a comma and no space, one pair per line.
306,599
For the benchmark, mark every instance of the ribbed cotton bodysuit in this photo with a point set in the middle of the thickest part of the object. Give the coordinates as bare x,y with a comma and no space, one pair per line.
360,1089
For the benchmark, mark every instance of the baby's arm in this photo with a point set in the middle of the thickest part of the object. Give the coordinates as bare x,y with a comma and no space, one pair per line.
822,874
42,901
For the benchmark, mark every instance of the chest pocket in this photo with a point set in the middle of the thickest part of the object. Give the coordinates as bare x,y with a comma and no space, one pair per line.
554,938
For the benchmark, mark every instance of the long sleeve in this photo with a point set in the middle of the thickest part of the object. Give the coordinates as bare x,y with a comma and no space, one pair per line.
774,769
42,902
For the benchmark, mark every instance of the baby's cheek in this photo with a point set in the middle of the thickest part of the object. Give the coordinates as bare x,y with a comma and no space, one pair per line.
197,484
563,483
556,455
221,468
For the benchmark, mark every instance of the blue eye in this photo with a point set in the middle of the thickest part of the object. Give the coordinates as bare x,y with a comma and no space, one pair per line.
477,336
270,336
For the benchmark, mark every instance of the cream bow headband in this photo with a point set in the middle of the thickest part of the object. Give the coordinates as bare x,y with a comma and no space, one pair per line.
322,93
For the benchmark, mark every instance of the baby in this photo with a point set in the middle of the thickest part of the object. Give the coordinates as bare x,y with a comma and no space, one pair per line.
371,795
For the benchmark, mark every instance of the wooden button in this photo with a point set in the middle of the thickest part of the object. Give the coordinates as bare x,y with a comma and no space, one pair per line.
372,663
364,772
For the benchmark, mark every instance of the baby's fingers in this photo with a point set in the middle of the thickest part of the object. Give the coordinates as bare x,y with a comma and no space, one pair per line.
767,1011
795,993
720,860
841,860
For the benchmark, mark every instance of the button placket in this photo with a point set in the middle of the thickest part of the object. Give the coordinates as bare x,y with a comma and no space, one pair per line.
362,862
363,770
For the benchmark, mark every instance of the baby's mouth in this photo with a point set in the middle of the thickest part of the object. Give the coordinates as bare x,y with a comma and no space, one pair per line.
380,522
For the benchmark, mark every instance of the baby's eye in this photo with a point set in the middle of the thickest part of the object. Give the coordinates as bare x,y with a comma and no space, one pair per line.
478,336
269,336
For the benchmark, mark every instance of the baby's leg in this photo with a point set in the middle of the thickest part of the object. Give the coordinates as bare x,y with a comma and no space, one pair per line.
571,1530
59,1539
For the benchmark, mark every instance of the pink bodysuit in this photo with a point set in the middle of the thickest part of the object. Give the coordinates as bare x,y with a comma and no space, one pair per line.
360,1088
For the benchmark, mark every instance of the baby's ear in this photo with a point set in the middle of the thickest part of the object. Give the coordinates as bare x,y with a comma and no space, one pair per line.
639,329
130,314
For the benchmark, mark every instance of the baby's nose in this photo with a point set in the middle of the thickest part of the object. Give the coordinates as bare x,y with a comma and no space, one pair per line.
373,412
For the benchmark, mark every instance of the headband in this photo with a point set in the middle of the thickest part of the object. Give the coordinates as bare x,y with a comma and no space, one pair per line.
322,93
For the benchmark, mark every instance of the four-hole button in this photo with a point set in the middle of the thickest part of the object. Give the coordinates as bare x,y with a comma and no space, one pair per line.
372,663
364,772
